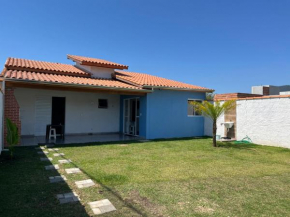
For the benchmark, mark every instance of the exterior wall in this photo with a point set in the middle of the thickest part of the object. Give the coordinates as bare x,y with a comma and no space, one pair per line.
11,111
82,112
265,121
167,115
220,127
231,116
1,121
142,117
207,126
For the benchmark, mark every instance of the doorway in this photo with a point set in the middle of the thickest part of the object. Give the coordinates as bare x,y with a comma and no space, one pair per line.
131,116
58,112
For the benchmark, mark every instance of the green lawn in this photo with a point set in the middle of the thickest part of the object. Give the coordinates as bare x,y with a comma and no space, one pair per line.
159,178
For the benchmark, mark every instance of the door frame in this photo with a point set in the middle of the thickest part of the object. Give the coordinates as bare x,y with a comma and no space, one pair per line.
136,116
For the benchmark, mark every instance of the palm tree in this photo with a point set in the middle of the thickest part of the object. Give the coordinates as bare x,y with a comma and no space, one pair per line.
213,111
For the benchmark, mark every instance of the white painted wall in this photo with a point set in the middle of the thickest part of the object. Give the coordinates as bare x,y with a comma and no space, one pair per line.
265,121
207,126
97,72
82,112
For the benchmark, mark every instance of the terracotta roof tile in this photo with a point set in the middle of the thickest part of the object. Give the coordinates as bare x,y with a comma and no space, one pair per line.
65,79
94,61
31,65
146,80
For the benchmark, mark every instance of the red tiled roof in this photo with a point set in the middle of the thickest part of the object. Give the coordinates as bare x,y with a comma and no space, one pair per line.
65,79
41,66
146,80
96,62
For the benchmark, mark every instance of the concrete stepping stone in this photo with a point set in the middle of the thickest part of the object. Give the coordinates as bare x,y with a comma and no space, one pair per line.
55,179
55,149
52,167
68,197
58,154
123,145
46,159
73,170
102,206
50,149
85,183
42,152
64,161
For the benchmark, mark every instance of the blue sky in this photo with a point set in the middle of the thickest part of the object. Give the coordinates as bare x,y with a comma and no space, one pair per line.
228,45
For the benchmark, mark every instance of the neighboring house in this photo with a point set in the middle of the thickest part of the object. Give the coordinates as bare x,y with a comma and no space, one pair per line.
96,96
271,90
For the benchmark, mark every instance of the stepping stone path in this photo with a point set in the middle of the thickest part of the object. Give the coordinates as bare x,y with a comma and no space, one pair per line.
58,154
85,183
46,159
68,198
101,206
42,152
50,149
52,167
64,161
73,170
55,149
55,179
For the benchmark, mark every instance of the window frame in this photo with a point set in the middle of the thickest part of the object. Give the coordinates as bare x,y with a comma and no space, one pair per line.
194,115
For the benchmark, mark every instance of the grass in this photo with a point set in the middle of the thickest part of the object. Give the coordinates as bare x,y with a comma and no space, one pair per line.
159,178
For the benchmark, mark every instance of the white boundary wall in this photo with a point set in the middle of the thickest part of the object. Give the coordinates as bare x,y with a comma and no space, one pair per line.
265,121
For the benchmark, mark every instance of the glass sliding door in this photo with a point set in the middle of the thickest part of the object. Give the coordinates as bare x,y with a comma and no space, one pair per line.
131,116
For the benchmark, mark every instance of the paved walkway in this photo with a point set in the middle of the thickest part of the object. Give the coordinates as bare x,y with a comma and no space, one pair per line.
98,207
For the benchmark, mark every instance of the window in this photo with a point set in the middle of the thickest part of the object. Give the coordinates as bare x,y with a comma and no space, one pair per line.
190,108
103,103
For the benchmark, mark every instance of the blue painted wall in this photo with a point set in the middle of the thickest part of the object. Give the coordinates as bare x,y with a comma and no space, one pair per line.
164,114
167,115
143,112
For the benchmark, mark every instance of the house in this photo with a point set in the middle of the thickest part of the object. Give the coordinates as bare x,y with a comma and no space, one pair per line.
271,90
94,97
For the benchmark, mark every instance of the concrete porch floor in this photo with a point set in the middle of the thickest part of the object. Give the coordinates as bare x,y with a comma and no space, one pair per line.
71,139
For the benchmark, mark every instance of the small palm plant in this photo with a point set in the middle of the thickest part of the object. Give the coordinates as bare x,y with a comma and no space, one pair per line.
214,111
12,136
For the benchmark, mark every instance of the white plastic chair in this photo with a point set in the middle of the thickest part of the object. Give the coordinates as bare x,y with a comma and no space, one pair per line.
52,133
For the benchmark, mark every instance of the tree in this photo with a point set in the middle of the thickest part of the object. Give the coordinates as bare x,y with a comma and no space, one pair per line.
213,111
12,137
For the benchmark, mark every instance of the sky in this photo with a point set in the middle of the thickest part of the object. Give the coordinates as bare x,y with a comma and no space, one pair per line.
226,45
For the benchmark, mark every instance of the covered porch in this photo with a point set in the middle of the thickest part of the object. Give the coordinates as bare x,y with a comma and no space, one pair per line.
77,139
86,115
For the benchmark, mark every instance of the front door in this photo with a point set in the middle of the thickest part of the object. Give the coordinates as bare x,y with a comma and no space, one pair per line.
58,112
131,116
